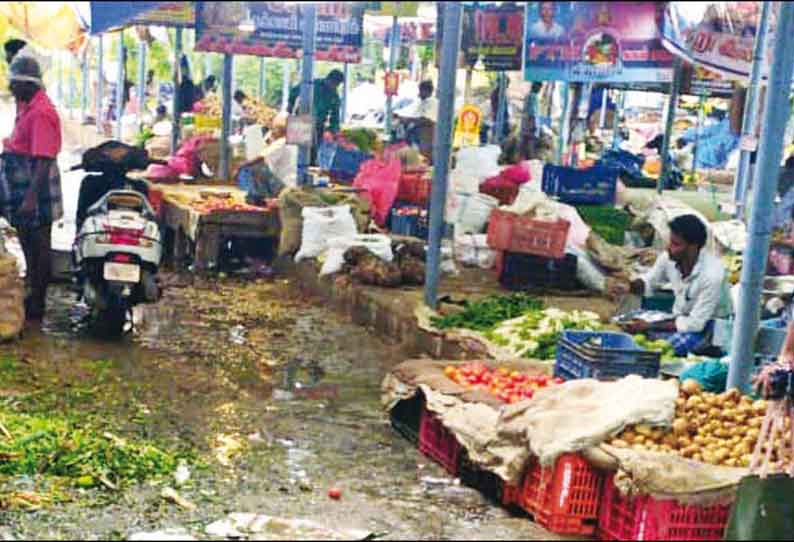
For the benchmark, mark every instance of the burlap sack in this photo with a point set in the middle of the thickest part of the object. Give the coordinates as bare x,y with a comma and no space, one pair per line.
12,299
291,202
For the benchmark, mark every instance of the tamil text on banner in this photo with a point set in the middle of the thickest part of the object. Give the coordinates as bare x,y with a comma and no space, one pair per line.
595,41
494,33
275,29
717,35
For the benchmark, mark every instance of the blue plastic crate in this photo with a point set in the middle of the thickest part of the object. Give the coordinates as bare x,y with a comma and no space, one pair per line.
414,225
593,186
325,155
616,356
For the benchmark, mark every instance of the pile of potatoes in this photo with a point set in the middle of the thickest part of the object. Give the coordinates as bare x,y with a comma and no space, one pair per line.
718,429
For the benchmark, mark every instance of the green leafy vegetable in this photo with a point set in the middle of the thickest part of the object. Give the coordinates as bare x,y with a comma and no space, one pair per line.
486,313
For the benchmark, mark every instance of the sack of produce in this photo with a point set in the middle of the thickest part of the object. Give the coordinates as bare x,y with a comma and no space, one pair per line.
473,250
12,298
379,245
321,224
283,161
367,268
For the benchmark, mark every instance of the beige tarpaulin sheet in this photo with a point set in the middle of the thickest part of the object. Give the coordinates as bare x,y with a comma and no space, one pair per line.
53,25
577,416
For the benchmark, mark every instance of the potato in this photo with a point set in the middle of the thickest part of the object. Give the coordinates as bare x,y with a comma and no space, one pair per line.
618,443
657,435
704,408
755,423
715,413
731,462
680,403
732,395
728,414
759,407
709,458
693,402
689,451
700,440
697,456
680,426
691,387
721,455
643,429
670,440
639,439
683,442
628,436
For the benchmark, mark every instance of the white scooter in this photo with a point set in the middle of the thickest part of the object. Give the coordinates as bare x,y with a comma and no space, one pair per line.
118,248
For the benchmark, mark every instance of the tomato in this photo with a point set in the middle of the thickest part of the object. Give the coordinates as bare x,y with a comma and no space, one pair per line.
529,394
335,493
449,370
514,398
502,371
558,380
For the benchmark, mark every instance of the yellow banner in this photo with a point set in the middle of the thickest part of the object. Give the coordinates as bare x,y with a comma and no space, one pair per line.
400,9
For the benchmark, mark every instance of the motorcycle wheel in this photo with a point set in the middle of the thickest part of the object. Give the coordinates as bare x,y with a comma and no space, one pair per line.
110,322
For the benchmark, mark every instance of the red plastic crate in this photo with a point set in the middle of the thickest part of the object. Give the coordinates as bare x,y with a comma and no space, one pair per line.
438,443
156,200
513,233
646,518
415,187
564,498
505,194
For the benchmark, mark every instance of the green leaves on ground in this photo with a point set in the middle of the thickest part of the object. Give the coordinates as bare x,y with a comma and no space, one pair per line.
56,446
608,222
485,314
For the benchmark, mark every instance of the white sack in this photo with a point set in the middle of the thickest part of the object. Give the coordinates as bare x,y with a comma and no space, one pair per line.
321,224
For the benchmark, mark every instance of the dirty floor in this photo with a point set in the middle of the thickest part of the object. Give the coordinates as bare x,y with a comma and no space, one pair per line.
270,397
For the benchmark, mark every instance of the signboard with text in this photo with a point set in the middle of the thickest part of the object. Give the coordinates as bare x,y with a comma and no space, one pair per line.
275,29
495,33
595,42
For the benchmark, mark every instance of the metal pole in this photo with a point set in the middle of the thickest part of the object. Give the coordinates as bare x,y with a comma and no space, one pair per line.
309,12
59,71
175,104
345,93
72,86
675,86
750,117
442,145
776,112
698,128
226,121
285,86
84,93
393,50
100,87
602,120
467,86
501,107
262,77
616,120
564,119
141,81
120,87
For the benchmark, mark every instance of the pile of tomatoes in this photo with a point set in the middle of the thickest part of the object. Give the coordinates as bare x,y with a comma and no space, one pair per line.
217,205
509,386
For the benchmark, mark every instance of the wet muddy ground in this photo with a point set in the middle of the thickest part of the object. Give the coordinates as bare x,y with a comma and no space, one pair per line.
272,398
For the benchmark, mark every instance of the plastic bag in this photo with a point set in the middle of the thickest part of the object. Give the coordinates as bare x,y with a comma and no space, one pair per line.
587,271
479,162
12,299
380,181
9,244
473,250
711,375
763,509
379,245
321,224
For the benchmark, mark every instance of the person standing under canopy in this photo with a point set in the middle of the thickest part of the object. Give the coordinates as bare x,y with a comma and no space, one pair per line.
698,280
30,182
326,104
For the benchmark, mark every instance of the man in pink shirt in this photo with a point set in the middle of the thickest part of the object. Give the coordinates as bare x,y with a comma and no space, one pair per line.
30,183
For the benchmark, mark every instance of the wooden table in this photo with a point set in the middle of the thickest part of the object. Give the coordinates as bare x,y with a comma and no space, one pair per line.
200,236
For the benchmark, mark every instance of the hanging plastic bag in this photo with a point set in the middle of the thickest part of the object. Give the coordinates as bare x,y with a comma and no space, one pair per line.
321,224
380,182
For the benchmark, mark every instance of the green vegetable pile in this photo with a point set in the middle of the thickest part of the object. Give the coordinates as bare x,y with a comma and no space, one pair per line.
485,314
365,139
535,335
52,445
143,136
667,350
608,222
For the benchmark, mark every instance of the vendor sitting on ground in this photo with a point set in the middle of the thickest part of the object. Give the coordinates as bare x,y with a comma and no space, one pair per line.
698,281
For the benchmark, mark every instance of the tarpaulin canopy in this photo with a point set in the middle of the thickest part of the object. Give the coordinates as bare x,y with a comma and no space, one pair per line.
52,25
112,15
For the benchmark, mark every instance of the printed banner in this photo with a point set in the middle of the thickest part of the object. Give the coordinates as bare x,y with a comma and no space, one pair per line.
717,35
495,33
274,29
169,14
595,42
392,9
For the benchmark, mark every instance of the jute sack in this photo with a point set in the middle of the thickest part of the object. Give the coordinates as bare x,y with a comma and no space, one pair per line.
12,299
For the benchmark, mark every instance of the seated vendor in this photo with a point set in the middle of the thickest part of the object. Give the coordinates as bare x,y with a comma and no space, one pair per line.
698,280
421,121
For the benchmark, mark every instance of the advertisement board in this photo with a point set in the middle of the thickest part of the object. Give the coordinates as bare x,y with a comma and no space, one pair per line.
275,29
595,42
